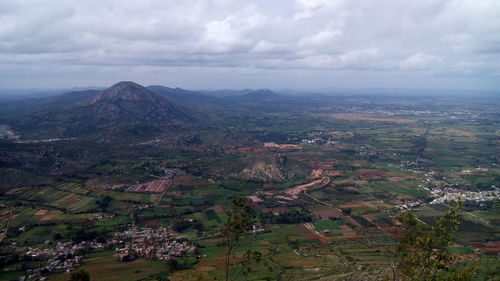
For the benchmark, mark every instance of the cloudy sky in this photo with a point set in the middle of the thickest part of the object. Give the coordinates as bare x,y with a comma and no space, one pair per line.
206,44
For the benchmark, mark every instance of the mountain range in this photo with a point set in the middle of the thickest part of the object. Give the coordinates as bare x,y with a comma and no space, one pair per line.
124,107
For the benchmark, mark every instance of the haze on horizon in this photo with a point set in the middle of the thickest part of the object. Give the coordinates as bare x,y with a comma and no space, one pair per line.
203,44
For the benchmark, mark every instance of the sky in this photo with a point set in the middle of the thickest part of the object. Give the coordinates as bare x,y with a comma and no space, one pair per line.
277,44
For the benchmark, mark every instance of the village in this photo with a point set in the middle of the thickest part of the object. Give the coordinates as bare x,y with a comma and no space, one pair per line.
448,195
155,244
64,257
480,199
150,243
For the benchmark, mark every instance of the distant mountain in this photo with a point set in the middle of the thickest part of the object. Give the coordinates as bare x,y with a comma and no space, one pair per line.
22,106
185,97
255,97
124,105
225,93
262,94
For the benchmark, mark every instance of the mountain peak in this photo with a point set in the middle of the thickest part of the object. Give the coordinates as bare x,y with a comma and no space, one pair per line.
124,90
126,84
262,93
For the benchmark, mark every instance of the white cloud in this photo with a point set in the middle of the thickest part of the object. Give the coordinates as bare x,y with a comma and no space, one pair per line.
420,61
282,35
323,38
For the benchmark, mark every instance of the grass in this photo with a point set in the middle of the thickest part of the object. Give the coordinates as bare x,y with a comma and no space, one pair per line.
105,267
324,225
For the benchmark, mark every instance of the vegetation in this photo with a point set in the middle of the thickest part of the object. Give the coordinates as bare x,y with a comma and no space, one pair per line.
239,220
365,148
423,251
79,274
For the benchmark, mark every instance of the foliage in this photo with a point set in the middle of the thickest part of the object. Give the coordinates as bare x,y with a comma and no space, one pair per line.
172,265
104,203
81,234
240,218
422,250
292,216
79,274
184,225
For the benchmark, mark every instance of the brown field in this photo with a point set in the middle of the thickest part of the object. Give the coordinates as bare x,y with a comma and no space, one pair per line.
316,173
348,235
293,192
322,165
185,180
327,213
246,149
492,247
216,262
313,233
17,190
154,197
254,198
367,117
370,217
69,198
41,212
205,268
47,218
217,209
370,174
350,220
357,204
156,186
392,230
214,240
151,223
301,262
282,146
400,178
351,188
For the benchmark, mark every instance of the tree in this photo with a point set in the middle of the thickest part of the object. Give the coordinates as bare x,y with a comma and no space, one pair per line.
172,265
422,251
240,218
79,274
250,258
104,203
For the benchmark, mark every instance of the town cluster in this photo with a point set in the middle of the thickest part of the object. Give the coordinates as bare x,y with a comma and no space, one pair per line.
64,257
480,198
156,244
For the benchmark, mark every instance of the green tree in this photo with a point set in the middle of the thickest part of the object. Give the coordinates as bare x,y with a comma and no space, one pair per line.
172,265
79,274
240,218
422,251
251,257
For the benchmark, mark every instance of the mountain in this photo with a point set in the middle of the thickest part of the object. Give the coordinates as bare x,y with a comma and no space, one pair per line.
225,93
125,106
185,97
22,106
260,95
255,97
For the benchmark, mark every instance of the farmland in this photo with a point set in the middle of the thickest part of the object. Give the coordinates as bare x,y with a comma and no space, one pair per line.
324,183
155,186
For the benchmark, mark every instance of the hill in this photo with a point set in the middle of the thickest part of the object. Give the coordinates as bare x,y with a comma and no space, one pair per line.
185,97
125,105
261,96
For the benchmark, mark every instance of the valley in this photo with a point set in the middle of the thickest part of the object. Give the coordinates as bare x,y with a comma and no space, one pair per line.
324,175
